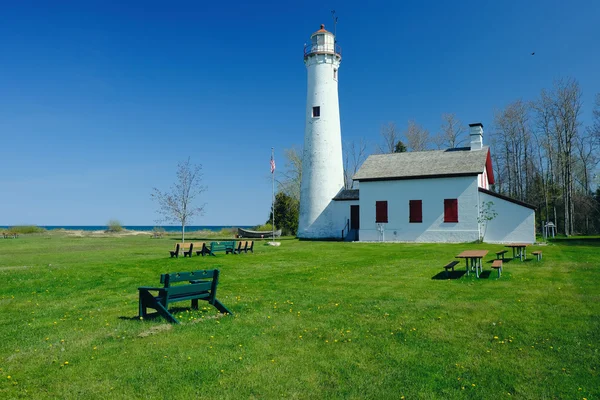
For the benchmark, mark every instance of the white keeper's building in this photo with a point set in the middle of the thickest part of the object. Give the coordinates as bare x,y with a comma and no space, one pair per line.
427,196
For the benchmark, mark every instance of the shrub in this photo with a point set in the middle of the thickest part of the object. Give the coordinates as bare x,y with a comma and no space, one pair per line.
158,232
264,227
114,226
23,229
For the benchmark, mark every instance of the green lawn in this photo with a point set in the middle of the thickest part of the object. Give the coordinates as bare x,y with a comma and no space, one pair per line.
312,320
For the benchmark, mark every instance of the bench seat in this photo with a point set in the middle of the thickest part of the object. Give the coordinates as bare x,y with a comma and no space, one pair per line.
501,253
451,266
497,265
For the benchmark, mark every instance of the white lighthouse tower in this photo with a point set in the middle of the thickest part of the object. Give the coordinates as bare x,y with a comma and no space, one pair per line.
322,165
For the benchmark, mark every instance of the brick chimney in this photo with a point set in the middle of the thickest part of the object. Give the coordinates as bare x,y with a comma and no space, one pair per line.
476,132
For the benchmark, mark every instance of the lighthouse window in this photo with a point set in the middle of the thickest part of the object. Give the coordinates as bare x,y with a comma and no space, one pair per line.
316,112
335,74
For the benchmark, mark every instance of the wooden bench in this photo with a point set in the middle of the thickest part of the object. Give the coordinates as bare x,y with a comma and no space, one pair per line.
245,246
537,254
201,249
497,265
185,248
501,253
451,266
226,246
200,285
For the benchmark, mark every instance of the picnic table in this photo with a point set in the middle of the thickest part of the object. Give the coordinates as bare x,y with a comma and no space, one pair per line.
473,257
519,250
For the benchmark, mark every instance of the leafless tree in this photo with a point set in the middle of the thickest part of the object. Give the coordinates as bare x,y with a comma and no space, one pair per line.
452,133
391,136
290,178
354,155
177,205
513,134
417,137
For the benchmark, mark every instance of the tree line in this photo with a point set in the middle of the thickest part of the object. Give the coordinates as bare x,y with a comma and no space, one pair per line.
541,151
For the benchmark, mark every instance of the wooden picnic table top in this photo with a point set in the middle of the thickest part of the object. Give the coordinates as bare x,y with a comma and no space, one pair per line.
517,245
473,254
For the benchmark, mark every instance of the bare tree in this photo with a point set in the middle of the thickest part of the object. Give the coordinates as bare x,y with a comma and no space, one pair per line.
417,137
451,134
595,128
291,178
391,136
513,133
354,155
178,204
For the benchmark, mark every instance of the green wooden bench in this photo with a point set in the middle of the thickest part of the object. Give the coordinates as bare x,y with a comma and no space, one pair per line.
226,246
200,285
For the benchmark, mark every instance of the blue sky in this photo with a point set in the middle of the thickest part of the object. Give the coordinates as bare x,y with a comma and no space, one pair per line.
99,101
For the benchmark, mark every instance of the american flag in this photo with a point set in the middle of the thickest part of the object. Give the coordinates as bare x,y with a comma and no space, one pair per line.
272,164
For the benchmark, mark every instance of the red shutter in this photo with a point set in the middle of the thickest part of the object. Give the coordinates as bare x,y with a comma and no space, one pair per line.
450,210
381,211
416,210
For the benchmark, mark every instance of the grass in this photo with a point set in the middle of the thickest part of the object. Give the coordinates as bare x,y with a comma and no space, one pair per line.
312,320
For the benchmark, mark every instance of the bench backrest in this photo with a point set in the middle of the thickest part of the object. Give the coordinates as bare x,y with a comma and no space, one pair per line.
168,279
222,245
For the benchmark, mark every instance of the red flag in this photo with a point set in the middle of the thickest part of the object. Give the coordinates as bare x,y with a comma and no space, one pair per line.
272,164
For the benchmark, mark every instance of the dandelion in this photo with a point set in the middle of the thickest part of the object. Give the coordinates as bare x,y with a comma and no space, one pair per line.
495,337
66,363
9,377
472,384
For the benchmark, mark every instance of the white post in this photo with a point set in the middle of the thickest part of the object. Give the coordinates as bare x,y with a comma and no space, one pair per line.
273,198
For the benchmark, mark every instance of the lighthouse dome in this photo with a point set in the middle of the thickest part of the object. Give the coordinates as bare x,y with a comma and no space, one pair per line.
322,42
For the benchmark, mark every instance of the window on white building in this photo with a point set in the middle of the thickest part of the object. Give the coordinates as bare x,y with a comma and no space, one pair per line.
415,211
450,210
316,111
381,212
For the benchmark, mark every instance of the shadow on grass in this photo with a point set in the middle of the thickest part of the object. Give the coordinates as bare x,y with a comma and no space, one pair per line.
576,241
451,275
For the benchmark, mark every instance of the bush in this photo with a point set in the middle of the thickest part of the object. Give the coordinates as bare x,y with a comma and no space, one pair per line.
158,232
114,226
23,229
264,227
228,232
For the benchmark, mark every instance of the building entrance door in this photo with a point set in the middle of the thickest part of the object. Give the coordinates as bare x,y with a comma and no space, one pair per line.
354,217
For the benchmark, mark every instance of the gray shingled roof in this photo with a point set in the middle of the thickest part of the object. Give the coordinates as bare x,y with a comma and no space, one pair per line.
347,194
423,164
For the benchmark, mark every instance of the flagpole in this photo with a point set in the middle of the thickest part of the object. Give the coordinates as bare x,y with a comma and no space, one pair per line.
273,197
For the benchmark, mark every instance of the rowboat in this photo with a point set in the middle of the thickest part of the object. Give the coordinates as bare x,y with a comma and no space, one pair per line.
245,233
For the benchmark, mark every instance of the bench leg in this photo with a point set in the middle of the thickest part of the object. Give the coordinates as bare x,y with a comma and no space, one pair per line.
195,304
221,307
148,300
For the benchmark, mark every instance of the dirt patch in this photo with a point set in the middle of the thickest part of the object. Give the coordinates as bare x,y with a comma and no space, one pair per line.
156,329
217,316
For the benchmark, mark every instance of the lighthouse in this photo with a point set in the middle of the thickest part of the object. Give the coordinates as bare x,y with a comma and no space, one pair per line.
322,165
